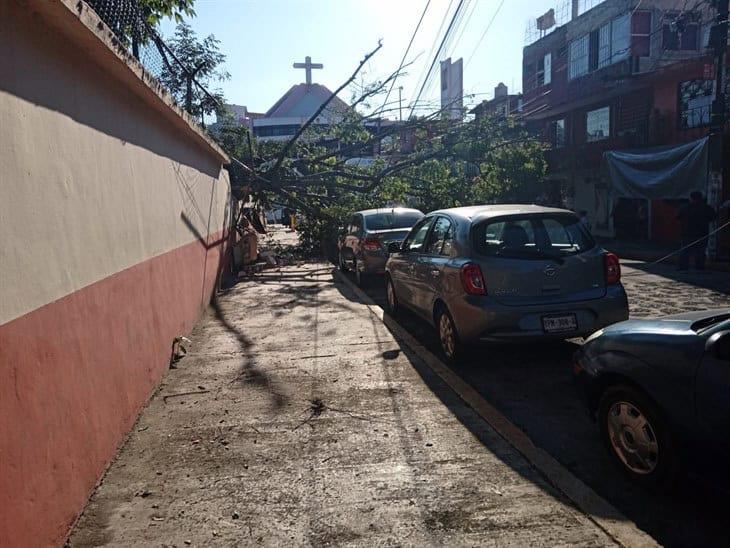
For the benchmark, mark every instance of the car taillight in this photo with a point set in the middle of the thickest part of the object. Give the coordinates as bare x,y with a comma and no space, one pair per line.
371,244
612,268
473,280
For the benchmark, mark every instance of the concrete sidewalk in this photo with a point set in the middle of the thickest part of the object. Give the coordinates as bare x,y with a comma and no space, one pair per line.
297,419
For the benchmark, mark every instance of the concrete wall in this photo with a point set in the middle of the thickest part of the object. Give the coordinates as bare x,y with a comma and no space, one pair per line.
113,216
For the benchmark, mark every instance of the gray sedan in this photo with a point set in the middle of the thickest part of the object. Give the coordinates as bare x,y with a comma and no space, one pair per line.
505,273
658,389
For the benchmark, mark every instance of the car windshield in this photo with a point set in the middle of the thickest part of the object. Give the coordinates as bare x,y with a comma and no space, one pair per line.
392,220
533,236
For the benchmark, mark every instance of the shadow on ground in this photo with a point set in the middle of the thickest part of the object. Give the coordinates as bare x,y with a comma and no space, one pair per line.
532,386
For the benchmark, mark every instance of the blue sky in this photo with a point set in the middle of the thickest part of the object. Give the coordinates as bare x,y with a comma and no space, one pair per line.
262,38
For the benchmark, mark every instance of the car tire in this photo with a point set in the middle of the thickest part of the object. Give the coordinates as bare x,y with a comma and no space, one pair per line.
451,346
341,262
638,438
391,299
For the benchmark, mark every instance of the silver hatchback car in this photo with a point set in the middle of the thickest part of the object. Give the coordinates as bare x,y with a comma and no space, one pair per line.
505,273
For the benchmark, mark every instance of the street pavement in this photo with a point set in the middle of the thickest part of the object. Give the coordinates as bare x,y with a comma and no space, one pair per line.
297,419
532,386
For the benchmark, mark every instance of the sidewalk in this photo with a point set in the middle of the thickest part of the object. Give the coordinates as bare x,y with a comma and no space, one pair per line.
297,419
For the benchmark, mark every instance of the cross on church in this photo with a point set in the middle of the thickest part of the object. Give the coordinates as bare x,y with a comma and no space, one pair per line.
308,66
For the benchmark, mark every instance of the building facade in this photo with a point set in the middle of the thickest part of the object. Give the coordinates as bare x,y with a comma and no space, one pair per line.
623,75
502,105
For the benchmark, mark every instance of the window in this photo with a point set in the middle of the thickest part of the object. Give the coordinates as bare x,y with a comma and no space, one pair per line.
544,70
275,131
414,241
620,38
392,220
444,79
557,133
680,34
598,124
442,231
604,46
695,103
578,63
532,237
641,34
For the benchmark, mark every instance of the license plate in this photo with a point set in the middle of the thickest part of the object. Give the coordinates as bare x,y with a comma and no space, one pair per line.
559,324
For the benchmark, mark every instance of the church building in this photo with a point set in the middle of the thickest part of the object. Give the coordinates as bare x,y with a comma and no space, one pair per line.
296,106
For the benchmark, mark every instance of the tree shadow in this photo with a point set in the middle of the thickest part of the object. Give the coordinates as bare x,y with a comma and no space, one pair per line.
249,373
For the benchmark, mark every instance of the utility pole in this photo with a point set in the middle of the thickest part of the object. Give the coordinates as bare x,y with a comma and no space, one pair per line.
400,104
718,42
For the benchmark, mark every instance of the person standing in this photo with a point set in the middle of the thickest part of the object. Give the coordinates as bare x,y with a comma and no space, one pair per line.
585,223
695,217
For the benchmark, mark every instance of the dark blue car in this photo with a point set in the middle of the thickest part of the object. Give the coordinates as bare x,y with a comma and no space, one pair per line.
660,392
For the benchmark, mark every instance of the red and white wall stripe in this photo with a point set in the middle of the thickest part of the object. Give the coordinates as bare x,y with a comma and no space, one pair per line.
113,216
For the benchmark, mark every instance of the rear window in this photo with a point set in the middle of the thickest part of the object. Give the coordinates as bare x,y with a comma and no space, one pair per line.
532,237
390,221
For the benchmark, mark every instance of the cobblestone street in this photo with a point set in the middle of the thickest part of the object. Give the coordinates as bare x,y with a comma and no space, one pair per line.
659,290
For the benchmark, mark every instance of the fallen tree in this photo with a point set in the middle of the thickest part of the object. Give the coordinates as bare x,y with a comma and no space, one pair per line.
427,161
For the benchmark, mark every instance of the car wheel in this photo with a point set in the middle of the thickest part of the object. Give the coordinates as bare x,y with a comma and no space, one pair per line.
342,264
451,346
391,298
637,437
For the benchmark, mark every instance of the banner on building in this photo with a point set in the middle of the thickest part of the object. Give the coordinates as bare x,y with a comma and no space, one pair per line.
660,173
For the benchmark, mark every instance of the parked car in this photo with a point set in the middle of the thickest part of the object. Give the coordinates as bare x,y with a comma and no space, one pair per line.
505,273
363,243
660,392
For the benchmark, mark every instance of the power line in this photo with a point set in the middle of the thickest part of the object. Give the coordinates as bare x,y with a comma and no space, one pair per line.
408,49
463,29
423,75
451,42
489,25
435,57
459,27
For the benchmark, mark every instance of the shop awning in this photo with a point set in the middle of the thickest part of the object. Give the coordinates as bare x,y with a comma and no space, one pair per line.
669,172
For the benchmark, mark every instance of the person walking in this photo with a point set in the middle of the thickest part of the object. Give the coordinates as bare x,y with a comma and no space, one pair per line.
695,217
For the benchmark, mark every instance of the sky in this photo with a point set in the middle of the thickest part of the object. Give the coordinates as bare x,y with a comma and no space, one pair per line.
262,38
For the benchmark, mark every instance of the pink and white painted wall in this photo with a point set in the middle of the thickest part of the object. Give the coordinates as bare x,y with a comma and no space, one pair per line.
114,210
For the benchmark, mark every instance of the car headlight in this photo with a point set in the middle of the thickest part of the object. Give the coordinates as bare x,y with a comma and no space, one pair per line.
594,336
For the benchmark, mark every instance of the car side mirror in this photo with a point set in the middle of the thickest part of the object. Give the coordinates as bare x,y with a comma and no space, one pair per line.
394,247
719,345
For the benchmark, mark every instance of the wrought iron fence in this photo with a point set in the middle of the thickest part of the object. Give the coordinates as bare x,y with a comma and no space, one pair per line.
128,21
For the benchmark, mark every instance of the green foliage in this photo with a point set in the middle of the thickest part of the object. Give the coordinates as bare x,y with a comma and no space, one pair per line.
156,10
202,60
